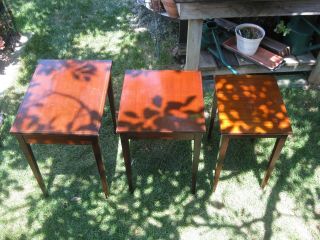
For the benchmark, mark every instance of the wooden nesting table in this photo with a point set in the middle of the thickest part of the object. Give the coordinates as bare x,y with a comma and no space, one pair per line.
249,106
64,104
161,105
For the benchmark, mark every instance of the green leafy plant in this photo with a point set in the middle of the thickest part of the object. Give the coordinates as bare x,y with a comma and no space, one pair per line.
281,28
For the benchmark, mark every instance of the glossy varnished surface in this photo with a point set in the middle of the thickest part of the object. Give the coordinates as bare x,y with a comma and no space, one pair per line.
161,101
64,97
251,104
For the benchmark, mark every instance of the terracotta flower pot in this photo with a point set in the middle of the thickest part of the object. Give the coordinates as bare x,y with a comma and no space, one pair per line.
156,5
171,8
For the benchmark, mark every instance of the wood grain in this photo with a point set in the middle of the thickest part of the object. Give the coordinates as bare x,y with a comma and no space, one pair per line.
251,105
64,97
161,101
262,57
230,9
193,44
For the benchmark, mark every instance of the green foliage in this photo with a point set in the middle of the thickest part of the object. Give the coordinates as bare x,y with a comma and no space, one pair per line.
162,206
281,28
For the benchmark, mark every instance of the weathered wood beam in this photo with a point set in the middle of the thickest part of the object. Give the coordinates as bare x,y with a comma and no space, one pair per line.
205,10
193,44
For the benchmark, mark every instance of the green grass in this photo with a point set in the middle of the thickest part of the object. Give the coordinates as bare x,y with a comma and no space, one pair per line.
162,206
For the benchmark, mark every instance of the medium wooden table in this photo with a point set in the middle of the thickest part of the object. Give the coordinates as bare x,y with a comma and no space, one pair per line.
195,11
161,105
249,106
64,104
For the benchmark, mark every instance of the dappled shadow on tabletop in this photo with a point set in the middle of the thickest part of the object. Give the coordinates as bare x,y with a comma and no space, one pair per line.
58,100
162,206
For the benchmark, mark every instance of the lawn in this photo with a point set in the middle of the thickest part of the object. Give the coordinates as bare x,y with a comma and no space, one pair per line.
162,206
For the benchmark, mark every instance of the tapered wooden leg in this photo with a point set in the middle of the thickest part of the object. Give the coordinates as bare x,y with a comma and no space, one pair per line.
26,149
273,158
196,154
101,169
224,141
112,107
127,160
213,114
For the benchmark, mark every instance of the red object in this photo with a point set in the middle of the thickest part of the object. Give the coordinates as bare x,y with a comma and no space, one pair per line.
64,97
64,105
161,101
249,106
161,105
262,57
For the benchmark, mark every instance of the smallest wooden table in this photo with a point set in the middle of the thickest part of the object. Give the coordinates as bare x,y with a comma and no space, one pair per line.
64,105
162,105
249,106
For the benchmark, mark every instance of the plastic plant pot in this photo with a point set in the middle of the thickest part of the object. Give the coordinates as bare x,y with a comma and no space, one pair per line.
245,45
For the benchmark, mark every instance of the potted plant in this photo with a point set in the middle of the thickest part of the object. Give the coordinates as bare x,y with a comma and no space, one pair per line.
249,37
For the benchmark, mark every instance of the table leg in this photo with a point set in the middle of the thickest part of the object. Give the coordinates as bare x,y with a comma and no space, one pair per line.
26,149
273,158
195,163
213,114
98,156
127,160
224,141
112,108
193,44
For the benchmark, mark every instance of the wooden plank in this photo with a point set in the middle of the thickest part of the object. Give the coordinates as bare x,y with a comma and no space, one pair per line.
291,65
229,57
254,69
268,43
275,46
216,1
193,44
307,58
207,61
262,56
242,61
314,78
204,10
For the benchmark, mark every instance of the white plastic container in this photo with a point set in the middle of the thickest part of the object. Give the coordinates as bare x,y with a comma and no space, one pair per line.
248,46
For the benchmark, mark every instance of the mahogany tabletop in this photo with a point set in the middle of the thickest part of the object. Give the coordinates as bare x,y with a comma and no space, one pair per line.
64,97
252,105
165,101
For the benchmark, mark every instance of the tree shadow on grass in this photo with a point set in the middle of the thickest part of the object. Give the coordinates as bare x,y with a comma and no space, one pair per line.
162,206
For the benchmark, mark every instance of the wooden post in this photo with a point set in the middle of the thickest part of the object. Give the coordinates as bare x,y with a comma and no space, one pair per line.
193,44
314,78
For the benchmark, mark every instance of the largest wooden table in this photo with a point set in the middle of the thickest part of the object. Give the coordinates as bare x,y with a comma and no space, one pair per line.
195,11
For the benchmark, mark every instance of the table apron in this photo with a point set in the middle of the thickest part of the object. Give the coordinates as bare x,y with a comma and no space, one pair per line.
178,136
255,135
58,139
